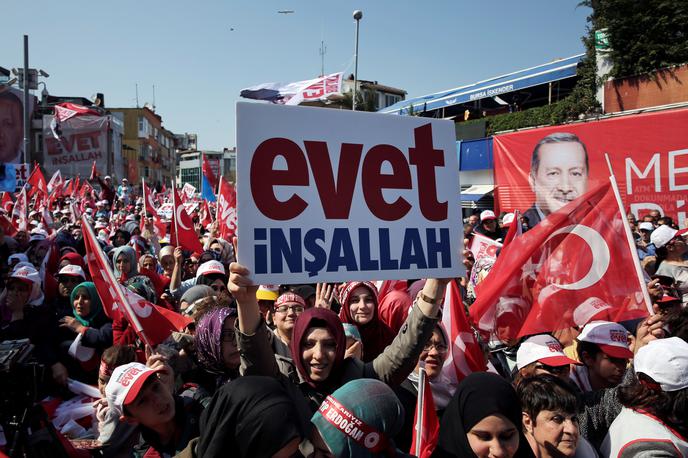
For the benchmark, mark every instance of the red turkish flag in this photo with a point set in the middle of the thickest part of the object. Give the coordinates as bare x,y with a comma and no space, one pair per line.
207,170
156,323
7,228
86,190
182,231
150,207
205,215
548,278
37,181
94,171
430,424
6,202
465,354
226,210
19,215
515,229
56,182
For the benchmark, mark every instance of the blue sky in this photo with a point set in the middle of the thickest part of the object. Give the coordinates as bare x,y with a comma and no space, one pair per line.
198,64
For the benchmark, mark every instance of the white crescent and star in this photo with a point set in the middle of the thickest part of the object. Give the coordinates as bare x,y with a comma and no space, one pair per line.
179,218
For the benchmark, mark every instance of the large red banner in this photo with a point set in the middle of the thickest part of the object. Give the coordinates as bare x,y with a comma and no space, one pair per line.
648,153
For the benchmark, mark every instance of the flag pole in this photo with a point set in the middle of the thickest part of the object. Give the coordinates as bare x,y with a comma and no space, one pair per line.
174,213
420,410
143,194
629,238
110,278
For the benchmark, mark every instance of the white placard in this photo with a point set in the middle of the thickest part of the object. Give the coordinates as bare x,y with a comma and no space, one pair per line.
332,195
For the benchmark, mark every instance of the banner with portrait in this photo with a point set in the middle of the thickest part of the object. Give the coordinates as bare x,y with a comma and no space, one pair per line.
538,171
12,125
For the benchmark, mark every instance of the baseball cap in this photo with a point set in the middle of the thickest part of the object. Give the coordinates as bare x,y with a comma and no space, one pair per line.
487,215
125,384
72,270
646,226
665,361
612,338
107,177
290,298
210,267
508,219
267,292
543,348
590,310
664,234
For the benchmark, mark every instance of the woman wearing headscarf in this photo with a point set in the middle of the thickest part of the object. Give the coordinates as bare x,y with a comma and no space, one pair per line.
370,402
222,248
360,308
74,259
432,359
318,342
86,334
124,263
120,238
216,346
483,419
253,417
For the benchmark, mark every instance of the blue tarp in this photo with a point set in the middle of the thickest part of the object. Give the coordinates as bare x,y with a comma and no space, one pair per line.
475,154
542,74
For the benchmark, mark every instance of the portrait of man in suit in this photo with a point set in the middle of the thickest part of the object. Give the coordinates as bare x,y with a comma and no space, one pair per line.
558,174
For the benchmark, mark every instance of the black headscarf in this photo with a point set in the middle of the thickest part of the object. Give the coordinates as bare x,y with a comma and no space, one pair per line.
252,417
479,395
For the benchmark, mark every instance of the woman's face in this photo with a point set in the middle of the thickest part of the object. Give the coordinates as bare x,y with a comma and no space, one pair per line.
82,302
18,293
123,264
66,284
361,305
555,432
149,263
318,353
167,263
119,240
216,247
494,437
230,350
22,237
434,353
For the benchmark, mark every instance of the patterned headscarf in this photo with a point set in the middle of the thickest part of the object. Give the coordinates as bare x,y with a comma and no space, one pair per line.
209,339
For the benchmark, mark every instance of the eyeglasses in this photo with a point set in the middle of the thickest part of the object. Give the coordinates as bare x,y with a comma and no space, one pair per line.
554,370
439,347
285,308
228,335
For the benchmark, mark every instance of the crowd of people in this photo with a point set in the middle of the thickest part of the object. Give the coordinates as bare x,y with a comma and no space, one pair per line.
329,370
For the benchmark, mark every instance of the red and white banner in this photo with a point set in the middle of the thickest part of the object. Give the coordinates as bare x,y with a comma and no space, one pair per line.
6,202
545,279
648,152
19,212
56,182
188,192
484,251
149,206
37,181
82,140
182,232
322,88
226,210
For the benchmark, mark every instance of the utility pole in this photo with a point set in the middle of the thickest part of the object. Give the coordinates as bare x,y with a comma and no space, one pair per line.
27,118
358,14
322,51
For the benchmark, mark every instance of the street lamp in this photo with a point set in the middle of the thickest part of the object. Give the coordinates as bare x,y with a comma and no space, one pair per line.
358,15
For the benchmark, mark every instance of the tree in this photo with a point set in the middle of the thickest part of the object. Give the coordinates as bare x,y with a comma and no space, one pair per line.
644,35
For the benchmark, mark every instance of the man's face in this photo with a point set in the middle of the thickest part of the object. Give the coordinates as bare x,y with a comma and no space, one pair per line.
11,129
153,406
610,370
561,176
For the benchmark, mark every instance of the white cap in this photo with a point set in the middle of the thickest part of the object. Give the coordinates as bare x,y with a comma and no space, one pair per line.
543,348
26,273
100,225
612,338
19,257
125,384
487,215
646,226
508,219
665,361
588,310
107,177
89,210
72,270
210,267
663,235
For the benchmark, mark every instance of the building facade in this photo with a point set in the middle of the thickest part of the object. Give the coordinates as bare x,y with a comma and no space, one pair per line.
148,149
190,162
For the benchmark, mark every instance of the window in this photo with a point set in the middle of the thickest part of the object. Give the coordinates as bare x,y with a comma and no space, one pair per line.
391,99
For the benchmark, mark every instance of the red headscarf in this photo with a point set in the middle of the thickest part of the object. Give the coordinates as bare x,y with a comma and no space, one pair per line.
375,334
320,318
75,259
